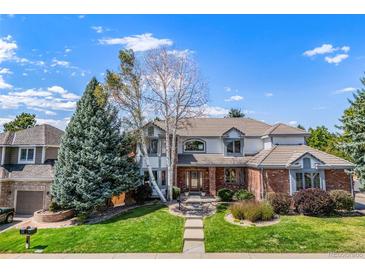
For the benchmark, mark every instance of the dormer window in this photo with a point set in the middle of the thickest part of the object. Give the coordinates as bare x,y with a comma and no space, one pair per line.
233,146
26,155
194,146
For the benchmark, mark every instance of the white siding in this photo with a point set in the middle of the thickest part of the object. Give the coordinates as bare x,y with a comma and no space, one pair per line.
233,134
155,162
252,146
292,140
267,143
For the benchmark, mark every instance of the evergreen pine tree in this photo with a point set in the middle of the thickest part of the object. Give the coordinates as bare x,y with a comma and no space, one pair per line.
353,126
92,164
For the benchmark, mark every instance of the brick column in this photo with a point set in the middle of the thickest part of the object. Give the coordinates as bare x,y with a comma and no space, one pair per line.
212,187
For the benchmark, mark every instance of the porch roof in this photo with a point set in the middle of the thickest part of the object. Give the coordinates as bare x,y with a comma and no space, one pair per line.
211,160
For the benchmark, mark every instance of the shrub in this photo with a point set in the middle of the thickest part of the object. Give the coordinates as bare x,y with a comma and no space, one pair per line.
53,207
280,202
252,211
243,195
142,193
175,192
342,199
313,202
225,194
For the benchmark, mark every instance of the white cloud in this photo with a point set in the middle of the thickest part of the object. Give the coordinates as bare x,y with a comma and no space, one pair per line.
52,98
47,112
292,123
215,111
345,90
328,49
325,48
56,62
67,50
61,124
81,16
139,42
234,98
98,29
25,74
336,59
3,84
181,53
7,48
269,94
5,71
228,89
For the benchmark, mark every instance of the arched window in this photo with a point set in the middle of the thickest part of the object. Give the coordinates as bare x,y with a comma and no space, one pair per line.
194,146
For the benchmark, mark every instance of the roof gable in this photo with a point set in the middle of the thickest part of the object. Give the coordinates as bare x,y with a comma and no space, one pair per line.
38,135
283,129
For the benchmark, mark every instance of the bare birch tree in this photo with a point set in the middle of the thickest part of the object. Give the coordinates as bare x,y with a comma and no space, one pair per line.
179,93
126,88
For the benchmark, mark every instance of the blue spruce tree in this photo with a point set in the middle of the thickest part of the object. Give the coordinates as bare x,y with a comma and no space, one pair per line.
93,162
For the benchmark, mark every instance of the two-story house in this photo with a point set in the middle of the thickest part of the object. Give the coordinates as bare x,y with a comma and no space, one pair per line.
235,153
26,171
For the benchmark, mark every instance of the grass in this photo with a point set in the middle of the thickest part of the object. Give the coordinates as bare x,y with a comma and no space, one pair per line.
145,229
297,234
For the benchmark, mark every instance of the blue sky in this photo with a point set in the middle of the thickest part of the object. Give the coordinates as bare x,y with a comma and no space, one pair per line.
287,68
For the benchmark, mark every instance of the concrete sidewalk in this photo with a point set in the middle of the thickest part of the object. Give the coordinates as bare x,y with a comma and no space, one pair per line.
188,256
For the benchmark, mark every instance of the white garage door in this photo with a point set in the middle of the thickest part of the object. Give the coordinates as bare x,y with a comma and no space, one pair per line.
28,202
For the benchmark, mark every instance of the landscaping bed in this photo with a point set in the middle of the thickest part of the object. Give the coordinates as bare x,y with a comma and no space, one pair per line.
144,229
297,234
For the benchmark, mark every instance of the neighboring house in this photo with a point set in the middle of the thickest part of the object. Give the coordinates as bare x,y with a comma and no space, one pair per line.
26,170
237,153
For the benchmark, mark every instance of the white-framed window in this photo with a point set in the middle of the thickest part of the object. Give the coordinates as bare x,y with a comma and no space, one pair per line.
152,146
233,147
194,145
26,155
304,180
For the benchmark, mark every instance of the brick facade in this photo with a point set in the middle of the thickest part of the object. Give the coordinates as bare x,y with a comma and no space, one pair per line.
276,180
254,181
337,179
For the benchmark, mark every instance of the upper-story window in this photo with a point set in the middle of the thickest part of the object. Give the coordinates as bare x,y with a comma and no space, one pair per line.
306,163
234,147
26,155
151,131
194,146
152,146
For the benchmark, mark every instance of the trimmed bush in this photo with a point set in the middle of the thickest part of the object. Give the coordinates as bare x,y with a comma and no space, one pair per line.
175,192
313,202
142,193
225,194
243,195
342,199
280,202
252,210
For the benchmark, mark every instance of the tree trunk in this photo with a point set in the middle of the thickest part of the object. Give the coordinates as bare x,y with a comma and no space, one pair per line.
168,161
149,167
173,158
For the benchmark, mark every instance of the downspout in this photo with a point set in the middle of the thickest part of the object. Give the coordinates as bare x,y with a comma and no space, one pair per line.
262,184
350,172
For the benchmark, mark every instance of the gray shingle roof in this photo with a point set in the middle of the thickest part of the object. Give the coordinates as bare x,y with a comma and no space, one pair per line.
284,155
211,159
210,127
283,129
19,172
38,135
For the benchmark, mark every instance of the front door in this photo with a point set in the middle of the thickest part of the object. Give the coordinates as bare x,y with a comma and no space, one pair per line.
194,179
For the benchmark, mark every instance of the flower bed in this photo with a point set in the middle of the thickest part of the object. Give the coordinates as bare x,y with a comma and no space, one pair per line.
44,216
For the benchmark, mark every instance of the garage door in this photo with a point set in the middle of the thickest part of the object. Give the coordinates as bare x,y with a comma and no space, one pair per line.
28,201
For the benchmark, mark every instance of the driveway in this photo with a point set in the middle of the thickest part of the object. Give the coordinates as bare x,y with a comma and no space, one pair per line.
17,220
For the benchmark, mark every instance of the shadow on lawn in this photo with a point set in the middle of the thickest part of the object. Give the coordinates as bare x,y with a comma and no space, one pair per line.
135,213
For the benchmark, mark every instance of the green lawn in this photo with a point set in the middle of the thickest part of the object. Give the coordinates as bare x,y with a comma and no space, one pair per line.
292,234
146,229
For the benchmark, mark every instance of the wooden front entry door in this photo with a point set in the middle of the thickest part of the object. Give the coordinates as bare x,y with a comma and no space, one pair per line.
194,180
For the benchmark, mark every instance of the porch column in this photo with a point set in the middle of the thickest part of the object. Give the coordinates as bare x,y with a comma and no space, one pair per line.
212,189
